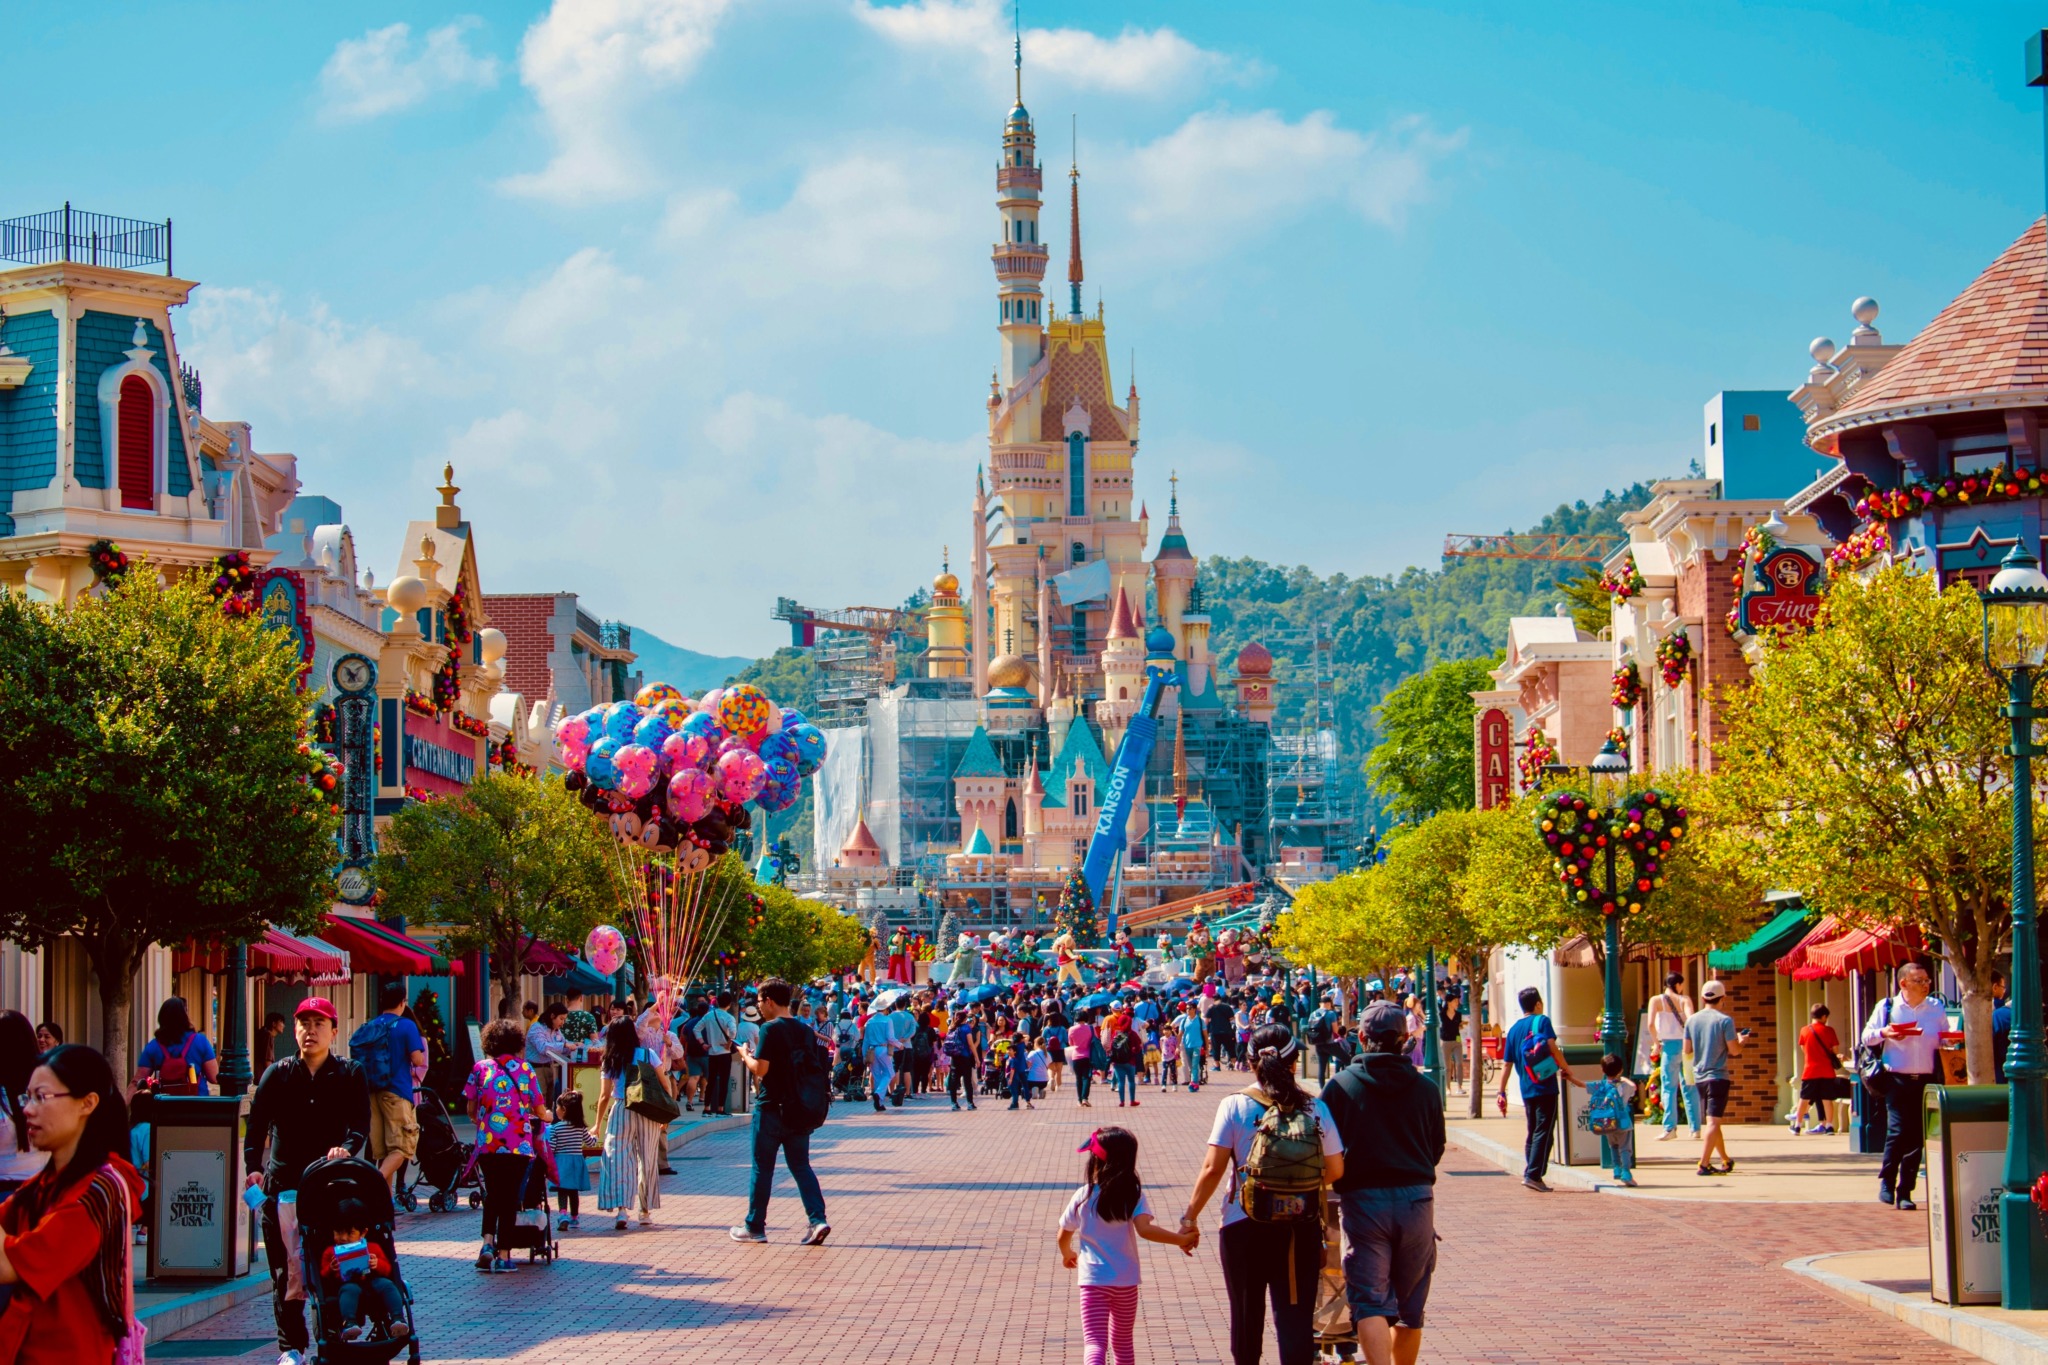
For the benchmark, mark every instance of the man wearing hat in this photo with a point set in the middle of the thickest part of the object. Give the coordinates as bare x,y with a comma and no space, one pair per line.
1391,1119
1711,1036
306,1109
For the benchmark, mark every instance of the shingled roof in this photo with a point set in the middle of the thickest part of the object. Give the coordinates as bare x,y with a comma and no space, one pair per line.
1988,349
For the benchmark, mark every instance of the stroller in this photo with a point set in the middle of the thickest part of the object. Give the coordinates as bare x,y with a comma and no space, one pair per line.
445,1161
1336,1337
850,1077
535,1231
321,1190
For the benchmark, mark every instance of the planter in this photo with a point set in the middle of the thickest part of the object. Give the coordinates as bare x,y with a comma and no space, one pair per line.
921,974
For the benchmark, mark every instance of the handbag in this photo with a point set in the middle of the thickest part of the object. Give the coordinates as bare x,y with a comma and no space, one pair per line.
649,1098
1870,1057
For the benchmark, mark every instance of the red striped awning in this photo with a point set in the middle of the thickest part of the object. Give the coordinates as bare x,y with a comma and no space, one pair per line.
373,952
276,954
545,959
1867,950
1796,963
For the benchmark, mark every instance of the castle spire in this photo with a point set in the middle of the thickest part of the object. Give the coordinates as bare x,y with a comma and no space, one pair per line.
1017,22
1074,272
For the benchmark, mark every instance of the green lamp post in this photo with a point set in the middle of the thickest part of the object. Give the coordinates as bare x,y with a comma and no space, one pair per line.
2016,644
1610,769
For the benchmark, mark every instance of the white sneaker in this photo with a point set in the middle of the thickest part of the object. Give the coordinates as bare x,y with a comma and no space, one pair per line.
292,1358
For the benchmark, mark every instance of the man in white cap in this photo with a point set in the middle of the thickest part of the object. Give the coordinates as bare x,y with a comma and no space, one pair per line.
1712,1037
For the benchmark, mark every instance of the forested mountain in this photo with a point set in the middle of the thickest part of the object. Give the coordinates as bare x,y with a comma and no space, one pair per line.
1382,629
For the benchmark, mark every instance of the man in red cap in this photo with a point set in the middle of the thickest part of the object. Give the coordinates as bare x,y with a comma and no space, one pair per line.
305,1109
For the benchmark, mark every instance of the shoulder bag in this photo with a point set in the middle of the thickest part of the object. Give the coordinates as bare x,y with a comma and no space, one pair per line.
648,1097
1870,1057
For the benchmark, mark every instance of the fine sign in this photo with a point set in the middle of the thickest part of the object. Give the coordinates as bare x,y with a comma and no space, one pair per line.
1782,590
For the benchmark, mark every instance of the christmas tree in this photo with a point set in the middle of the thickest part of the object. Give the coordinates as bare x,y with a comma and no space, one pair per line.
426,1012
1076,915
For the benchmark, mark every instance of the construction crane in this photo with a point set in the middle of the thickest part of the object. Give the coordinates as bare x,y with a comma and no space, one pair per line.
854,649
1561,549
1228,897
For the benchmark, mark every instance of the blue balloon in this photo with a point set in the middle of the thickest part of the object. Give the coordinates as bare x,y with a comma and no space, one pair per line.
776,746
702,723
810,744
781,772
652,730
598,767
791,718
620,718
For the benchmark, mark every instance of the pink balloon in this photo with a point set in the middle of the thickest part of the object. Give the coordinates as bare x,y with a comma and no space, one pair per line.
740,775
709,701
691,792
774,720
636,764
573,754
684,751
574,730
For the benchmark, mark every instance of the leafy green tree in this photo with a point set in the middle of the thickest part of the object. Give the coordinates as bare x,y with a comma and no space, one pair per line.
1866,764
155,781
1423,763
799,939
509,863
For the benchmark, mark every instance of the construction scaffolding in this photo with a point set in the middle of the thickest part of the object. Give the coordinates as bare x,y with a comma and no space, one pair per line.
1309,803
854,649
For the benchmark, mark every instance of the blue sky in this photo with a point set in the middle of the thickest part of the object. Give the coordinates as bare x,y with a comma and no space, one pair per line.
696,293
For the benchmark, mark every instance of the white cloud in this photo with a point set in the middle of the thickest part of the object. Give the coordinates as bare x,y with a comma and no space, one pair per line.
590,64
1234,174
257,357
382,72
1136,61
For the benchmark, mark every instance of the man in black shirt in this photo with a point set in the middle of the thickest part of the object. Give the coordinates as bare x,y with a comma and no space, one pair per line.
782,1040
1392,1121
305,1109
1221,1020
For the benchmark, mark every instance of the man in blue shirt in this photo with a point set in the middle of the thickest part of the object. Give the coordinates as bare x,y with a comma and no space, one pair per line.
395,1125
1529,1043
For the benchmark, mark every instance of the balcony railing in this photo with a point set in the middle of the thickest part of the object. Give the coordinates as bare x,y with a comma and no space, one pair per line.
69,234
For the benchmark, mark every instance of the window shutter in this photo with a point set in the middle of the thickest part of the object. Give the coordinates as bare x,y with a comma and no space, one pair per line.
137,460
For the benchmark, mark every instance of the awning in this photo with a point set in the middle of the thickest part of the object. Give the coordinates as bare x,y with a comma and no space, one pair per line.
1862,950
276,954
581,976
1795,963
545,959
374,953
1578,951
437,965
1773,940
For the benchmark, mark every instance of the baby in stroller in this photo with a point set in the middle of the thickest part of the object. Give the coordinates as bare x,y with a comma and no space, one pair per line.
354,1269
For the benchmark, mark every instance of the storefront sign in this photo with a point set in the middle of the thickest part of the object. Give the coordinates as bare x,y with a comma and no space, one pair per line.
435,761
1495,749
355,729
281,602
1782,591
194,1193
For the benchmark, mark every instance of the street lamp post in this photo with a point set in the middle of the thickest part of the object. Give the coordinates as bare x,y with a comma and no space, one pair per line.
1610,767
2016,644
235,1071
1432,1036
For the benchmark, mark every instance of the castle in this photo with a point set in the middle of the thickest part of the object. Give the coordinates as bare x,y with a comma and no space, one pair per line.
983,774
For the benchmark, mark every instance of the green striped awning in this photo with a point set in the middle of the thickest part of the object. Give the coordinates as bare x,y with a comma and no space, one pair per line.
1767,944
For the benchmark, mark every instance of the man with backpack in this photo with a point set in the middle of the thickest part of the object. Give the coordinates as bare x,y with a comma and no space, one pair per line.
1530,1052
390,1051
1322,1031
796,1096
1391,1120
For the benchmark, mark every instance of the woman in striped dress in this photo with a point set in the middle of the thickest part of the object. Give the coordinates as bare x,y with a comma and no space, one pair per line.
629,1174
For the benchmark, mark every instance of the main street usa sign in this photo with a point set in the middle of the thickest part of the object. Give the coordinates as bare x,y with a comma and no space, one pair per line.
1782,590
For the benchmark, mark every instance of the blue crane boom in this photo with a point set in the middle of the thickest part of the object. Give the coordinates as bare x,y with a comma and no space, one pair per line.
1126,783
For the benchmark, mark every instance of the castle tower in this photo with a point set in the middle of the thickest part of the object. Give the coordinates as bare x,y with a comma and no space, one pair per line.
1194,624
1019,256
945,629
860,848
1254,683
1173,574
1123,672
977,589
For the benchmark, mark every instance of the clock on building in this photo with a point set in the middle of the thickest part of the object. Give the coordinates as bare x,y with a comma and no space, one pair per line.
354,884
354,673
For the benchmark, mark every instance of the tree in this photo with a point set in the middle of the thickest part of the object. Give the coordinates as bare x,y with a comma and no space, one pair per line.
508,863
1866,763
156,783
1423,762
800,939
1076,915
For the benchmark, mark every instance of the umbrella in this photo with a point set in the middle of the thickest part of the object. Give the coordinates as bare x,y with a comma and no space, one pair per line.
889,997
1096,1001
984,992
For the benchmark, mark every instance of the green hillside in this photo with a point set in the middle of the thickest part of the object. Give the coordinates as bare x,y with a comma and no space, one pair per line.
1382,629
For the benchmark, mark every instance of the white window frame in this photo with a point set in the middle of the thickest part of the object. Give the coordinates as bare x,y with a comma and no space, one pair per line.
139,363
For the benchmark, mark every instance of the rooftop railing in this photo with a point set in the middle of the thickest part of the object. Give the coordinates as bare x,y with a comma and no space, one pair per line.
69,234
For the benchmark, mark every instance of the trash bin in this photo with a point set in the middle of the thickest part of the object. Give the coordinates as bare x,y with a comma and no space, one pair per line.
1581,1146
199,1226
1965,1175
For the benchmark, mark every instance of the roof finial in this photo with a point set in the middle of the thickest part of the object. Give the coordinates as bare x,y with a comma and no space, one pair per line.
1017,19
1074,273
1173,497
946,559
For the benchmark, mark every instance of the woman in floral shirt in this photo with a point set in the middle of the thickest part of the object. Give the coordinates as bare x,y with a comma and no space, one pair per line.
505,1101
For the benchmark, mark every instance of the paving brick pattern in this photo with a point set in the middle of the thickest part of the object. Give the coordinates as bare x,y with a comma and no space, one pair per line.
942,1251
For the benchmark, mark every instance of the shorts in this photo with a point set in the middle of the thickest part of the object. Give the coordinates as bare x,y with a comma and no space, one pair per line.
1390,1252
394,1126
1714,1097
697,1066
1825,1088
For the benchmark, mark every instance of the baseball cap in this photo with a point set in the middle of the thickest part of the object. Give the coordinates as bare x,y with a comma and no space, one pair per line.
320,1005
1713,990
1383,1019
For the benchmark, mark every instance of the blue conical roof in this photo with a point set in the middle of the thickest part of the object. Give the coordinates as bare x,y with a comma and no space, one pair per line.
980,759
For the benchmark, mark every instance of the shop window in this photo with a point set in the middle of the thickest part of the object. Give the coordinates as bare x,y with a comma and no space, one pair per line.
1752,422
137,444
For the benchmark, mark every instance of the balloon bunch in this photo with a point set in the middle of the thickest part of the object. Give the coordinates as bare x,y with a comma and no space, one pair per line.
677,773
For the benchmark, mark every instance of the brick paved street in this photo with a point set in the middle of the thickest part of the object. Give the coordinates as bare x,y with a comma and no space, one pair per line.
942,1251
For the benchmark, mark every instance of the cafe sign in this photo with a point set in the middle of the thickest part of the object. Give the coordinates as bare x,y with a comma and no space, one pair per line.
1782,590
1494,750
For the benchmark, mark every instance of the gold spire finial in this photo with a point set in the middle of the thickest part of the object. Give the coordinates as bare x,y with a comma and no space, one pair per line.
448,516
1017,21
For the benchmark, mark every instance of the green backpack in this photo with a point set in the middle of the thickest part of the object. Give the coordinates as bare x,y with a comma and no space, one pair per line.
1281,1180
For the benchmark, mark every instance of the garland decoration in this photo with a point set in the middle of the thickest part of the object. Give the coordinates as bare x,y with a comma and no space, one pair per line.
1618,737
467,724
455,616
1623,581
1872,540
1969,490
420,704
1628,686
448,682
1576,833
1674,652
323,775
109,564
1538,753
234,584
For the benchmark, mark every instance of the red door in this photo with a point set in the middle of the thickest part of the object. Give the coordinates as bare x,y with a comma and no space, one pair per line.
137,443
